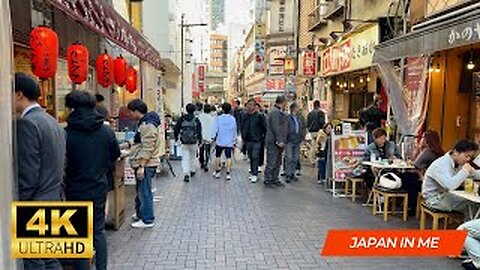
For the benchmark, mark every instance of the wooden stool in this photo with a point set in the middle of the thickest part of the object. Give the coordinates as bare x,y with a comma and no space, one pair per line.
437,215
353,189
387,195
419,205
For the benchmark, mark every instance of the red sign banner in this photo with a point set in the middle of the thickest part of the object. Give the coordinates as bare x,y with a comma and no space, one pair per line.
310,63
103,19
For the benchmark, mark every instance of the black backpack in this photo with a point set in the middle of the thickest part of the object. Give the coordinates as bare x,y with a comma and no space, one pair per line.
188,131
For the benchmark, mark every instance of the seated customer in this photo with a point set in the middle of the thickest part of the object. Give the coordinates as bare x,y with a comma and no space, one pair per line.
430,150
382,149
472,244
448,173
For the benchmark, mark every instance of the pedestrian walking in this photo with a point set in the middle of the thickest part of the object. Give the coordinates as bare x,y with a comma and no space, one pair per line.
207,121
315,122
261,157
254,129
225,131
324,152
144,159
277,128
91,149
40,155
295,136
189,131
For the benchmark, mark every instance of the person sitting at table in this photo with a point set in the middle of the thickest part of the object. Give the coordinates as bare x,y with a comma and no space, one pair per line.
430,150
447,174
382,149
472,244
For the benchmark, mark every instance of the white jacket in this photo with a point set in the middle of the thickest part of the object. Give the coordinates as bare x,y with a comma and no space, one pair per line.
207,122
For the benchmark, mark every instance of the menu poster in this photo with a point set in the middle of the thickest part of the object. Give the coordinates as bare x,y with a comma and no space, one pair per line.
348,151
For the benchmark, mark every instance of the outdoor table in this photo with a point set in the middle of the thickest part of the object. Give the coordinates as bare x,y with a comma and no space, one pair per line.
379,167
472,199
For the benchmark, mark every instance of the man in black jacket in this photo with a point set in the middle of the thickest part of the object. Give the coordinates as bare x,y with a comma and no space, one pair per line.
91,148
40,154
254,128
315,122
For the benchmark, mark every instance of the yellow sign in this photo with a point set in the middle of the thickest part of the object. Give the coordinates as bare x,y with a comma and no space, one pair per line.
354,53
52,230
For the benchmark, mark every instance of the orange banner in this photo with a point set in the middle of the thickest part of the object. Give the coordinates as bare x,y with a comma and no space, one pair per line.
396,243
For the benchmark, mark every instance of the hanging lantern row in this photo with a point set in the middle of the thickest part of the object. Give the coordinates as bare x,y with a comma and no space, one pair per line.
44,56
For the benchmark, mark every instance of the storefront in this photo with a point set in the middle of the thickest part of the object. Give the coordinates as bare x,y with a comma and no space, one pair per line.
452,44
348,81
95,25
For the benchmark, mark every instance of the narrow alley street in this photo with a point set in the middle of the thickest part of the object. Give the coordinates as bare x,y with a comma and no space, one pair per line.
214,224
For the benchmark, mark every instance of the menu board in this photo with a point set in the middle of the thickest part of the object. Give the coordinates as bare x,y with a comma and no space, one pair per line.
348,151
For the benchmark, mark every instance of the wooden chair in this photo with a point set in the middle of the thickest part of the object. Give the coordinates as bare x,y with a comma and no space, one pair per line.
436,215
389,194
419,205
351,187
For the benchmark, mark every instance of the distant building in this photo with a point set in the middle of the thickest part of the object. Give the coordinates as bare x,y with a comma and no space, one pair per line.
217,13
217,67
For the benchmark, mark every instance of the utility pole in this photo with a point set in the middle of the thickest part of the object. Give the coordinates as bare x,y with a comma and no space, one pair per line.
182,49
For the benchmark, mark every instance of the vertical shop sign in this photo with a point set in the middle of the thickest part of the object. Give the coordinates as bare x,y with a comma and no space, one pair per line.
281,17
310,63
259,55
201,77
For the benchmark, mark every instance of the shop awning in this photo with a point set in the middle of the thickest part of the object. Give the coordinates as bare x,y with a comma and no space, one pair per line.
103,19
454,29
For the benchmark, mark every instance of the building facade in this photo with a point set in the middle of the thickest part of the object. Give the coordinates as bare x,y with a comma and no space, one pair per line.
217,13
217,68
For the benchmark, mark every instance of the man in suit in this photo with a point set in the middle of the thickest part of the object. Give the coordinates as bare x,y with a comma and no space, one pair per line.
275,140
40,154
295,136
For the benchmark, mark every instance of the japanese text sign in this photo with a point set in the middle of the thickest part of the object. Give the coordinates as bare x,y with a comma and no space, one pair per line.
356,52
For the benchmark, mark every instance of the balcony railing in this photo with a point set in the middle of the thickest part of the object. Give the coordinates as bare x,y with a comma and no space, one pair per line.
316,19
324,11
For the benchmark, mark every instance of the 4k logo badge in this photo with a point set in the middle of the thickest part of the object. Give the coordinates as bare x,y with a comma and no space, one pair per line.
52,229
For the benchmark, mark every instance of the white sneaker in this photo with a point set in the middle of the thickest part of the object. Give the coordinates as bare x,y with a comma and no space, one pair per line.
250,177
249,171
259,169
141,225
297,173
282,173
229,177
216,175
254,179
134,217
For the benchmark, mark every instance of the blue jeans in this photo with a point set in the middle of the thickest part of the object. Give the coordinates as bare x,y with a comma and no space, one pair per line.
144,198
322,169
472,243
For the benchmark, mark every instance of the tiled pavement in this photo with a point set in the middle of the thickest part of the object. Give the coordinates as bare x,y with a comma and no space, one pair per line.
214,224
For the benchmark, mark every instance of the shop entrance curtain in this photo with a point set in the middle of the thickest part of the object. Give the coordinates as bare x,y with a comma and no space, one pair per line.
408,90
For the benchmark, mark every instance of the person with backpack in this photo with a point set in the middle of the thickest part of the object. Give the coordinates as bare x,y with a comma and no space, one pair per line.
189,131
225,130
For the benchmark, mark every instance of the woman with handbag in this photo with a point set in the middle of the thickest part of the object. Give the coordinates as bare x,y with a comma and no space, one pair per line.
323,151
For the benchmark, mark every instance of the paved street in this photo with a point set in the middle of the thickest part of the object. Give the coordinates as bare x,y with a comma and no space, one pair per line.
214,224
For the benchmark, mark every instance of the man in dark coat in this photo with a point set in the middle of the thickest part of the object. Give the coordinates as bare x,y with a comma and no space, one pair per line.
275,140
254,128
91,148
40,154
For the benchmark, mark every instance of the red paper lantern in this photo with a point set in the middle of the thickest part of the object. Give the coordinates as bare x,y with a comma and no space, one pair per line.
44,51
131,83
104,69
120,71
77,59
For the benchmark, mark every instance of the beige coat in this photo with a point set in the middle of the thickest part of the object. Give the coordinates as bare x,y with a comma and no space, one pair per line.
148,148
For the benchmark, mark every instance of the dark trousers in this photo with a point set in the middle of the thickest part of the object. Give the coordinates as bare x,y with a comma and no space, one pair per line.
322,169
292,159
261,156
274,162
412,184
99,239
253,150
144,198
204,154
41,264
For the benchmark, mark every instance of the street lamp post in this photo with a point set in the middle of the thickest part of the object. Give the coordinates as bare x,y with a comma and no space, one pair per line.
182,49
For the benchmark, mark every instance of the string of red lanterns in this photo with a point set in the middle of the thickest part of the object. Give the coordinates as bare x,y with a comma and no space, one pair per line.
44,46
